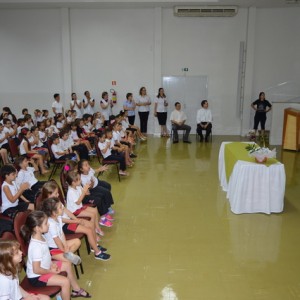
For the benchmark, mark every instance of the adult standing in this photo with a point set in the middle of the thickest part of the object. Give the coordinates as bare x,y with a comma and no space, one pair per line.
57,107
143,102
204,119
160,111
261,107
178,119
129,105
106,107
76,105
88,103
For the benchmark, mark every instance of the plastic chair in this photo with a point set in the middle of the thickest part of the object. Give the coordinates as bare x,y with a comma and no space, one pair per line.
57,162
13,149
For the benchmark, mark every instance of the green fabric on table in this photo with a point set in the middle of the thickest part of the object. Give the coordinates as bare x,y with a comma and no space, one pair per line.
236,151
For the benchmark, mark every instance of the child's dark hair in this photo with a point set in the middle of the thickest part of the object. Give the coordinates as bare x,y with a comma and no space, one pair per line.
44,112
104,94
7,170
27,117
54,137
101,134
33,128
49,206
23,133
20,160
7,251
24,110
128,95
79,165
34,219
71,177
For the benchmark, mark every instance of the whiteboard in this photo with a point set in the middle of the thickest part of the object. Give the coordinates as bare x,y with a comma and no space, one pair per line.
189,91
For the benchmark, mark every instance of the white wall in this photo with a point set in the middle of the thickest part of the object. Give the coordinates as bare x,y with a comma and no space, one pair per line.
30,58
124,45
207,46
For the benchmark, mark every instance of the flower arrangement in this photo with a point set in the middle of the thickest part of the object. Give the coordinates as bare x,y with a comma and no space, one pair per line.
261,154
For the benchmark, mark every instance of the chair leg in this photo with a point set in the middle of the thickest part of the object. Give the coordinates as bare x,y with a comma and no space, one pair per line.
81,266
53,171
117,166
88,247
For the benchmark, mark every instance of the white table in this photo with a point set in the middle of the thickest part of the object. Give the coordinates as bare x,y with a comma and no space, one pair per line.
252,187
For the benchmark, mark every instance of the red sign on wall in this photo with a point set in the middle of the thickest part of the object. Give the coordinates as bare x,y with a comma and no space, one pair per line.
113,82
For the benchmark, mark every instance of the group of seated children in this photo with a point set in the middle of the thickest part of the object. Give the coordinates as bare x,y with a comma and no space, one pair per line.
70,138
88,206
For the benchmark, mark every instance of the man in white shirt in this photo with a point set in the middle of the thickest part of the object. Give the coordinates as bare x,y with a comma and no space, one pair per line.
204,119
178,119
57,107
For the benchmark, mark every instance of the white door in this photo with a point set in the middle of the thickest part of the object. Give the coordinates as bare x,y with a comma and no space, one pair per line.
189,91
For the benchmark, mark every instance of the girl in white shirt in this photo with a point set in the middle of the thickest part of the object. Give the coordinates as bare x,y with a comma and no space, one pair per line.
26,174
143,103
25,149
3,145
75,196
72,224
41,270
10,193
10,260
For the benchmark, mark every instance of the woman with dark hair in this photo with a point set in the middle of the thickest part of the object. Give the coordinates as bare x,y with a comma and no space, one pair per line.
143,102
76,105
261,107
106,106
160,111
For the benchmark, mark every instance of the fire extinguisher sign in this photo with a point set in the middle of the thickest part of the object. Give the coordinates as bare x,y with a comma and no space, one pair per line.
113,82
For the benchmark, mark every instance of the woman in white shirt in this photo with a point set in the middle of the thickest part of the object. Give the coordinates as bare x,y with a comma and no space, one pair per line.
106,107
143,102
88,103
76,105
160,111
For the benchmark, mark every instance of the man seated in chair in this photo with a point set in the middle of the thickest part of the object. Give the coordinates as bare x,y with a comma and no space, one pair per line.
178,118
204,119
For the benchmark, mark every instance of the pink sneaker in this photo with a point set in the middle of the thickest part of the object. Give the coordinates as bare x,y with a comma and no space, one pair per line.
108,217
105,223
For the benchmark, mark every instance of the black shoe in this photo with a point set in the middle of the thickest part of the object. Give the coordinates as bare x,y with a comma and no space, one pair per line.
102,256
132,155
201,139
206,140
48,164
188,142
175,142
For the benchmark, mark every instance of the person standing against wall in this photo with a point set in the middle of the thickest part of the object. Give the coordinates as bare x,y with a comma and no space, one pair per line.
88,103
143,102
57,107
261,107
76,105
129,105
160,111
106,107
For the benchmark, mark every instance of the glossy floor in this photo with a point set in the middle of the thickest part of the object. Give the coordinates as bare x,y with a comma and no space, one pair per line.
174,236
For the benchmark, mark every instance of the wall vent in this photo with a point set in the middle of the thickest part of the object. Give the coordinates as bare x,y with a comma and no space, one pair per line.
205,11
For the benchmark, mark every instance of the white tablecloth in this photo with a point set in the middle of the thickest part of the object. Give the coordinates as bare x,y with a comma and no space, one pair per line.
252,187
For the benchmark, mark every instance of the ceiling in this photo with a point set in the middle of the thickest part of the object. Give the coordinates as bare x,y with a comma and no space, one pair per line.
142,3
